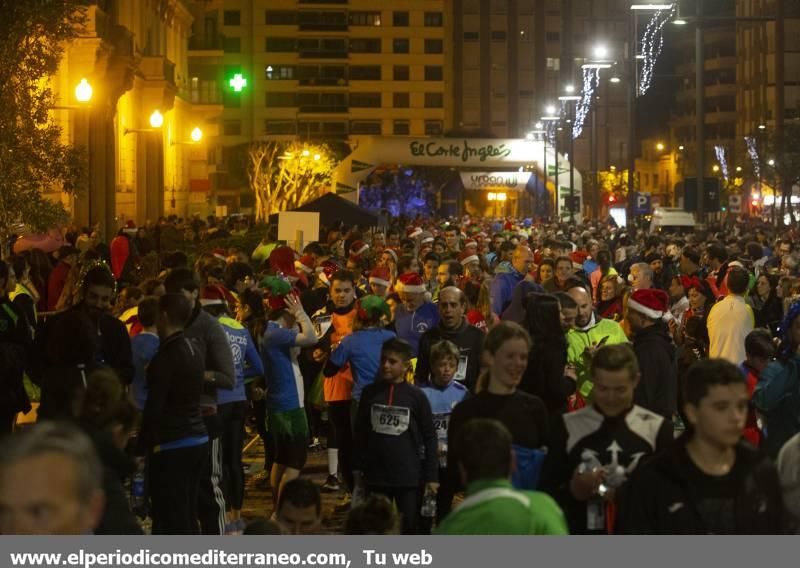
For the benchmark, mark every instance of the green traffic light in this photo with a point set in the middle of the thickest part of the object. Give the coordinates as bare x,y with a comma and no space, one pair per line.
238,83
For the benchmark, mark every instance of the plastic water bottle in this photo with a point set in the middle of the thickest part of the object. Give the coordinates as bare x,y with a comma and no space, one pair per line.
137,493
428,505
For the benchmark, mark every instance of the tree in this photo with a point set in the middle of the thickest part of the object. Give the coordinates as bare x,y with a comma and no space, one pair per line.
285,175
33,34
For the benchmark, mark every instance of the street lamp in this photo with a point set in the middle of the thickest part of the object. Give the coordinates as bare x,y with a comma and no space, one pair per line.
762,126
83,92
770,162
197,134
156,119
600,52
660,146
715,168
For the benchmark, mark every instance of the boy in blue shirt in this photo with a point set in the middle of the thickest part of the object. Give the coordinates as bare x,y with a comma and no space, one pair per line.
444,394
144,347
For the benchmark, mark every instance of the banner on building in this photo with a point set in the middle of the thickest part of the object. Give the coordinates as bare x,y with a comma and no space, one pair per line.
506,181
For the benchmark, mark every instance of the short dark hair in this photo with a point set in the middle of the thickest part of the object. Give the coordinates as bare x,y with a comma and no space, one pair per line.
99,275
180,279
237,271
507,246
344,276
616,358
301,493
176,307
565,301
564,259
691,254
717,251
484,449
262,526
758,343
738,280
708,373
375,516
398,347
455,268
432,256
148,311
314,248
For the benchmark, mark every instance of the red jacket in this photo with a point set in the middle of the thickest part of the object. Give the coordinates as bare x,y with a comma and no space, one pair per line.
120,250
55,284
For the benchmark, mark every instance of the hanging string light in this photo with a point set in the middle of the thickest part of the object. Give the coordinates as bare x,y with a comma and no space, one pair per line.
752,151
719,151
652,43
591,80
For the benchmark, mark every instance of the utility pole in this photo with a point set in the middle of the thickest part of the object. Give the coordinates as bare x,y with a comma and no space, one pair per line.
700,124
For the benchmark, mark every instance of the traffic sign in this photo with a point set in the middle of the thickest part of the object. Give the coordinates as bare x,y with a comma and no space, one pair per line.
735,203
641,204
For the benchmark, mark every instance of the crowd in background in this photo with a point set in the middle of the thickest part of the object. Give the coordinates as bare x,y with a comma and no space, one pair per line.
463,376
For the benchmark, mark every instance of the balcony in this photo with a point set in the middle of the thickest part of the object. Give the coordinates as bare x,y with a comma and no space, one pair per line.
157,68
206,47
323,82
322,27
322,109
322,54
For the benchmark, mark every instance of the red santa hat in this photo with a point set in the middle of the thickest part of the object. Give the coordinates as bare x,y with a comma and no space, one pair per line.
467,256
651,302
220,253
425,237
305,264
380,276
471,243
392,252
328,270
281,260
410,282
212,295
358,248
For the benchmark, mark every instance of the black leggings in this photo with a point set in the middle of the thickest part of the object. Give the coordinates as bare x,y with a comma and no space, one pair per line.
339,417
407,501
174,481
232,415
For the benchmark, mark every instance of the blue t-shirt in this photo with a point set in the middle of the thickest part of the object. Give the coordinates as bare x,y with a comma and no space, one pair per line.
246,360
284,382
442,401
143,348
411,325
362,349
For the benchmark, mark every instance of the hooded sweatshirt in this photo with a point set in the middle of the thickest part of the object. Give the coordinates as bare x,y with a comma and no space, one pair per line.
216,354
658,386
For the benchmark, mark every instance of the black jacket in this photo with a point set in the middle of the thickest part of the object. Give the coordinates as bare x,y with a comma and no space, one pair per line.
664,496
117,466
174,387
15,342
407,458
658,386
544,376
468,339
588,436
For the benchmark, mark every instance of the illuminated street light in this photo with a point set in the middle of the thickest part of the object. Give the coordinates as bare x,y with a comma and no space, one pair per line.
762,126
317,156
680,148
539,125
197,134
615,79
771,162
600,52
306,153
738,168
660,146
569,89
715,168
550,110
612,168
83,92
679,22
156,119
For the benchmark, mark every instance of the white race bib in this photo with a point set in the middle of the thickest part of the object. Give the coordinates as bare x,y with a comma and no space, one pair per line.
390,420
461,371
440,424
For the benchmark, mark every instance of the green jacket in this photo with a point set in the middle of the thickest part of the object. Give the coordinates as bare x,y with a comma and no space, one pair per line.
577,342
494,507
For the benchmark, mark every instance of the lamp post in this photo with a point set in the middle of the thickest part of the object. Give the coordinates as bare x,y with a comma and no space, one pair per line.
551,116
570,98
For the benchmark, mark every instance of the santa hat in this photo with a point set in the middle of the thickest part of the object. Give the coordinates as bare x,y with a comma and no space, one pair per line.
412,232
281,259
219,253
328,270
466,257
277,289
215,295
651,302
358,248
425,237
392,252
410,282
471,243
380,276
305,263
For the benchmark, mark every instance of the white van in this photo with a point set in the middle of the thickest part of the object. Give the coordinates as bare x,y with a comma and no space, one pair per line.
672,220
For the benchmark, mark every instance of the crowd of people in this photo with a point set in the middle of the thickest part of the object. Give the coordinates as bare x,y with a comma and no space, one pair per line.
463,376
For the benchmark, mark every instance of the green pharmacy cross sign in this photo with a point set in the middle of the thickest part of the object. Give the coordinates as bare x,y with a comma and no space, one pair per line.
238,83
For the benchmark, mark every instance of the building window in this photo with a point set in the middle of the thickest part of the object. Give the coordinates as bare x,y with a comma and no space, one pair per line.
433,127
365,18
553,63
552,36
402,128
281,100
364,45
499,35
400,45
655,180
401,100
232,128
232,45
280,45
280,18
433,73
400,19
231,100
279,72
365,100
401,73
433,19
471,36
365,73
231,17
434,100
434,46
365,127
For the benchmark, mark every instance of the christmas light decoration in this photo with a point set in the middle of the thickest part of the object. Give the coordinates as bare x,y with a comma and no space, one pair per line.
652,43
752,151
719,151
591,80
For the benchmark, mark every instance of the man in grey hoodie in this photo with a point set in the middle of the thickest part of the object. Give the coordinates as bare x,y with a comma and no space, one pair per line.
219,373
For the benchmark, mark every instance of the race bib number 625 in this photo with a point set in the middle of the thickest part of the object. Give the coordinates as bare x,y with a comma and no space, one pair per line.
390,420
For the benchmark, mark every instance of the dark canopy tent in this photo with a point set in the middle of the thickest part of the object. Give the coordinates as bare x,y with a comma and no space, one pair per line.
332,208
